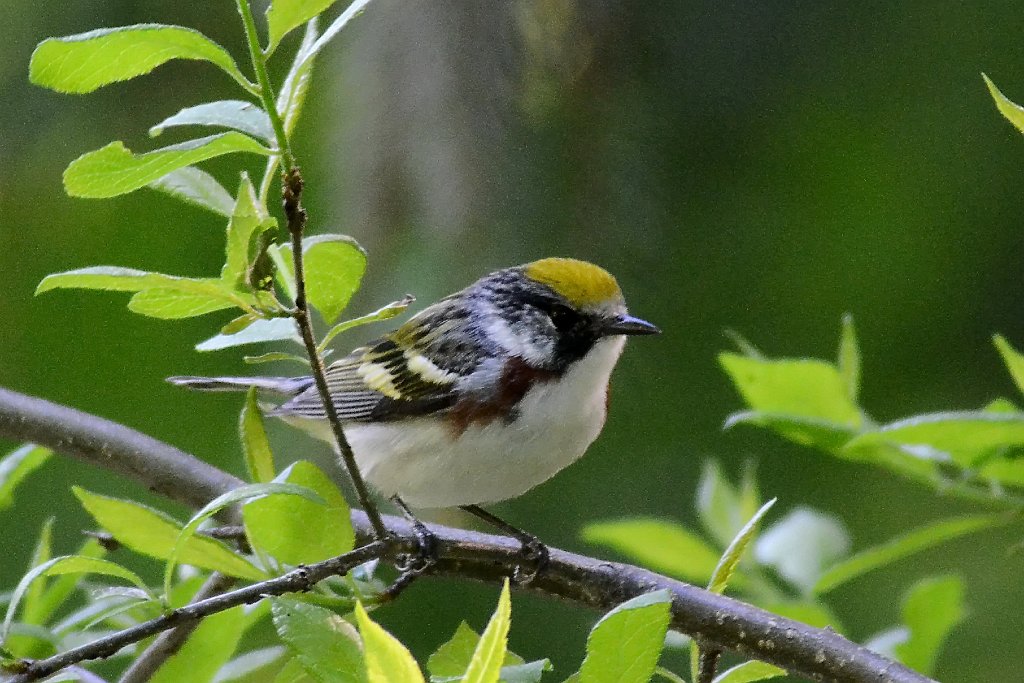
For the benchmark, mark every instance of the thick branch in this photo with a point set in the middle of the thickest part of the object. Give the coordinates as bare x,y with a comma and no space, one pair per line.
819,654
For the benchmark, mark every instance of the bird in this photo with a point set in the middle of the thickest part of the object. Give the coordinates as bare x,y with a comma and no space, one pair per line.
477,398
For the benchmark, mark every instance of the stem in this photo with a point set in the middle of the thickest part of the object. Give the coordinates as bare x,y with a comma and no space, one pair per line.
296,225
266,91
296,216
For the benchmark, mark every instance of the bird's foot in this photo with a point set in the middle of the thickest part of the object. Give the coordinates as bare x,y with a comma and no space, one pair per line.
534,559
425,553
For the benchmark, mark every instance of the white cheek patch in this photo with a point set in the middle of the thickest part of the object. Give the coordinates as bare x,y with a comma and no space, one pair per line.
525,345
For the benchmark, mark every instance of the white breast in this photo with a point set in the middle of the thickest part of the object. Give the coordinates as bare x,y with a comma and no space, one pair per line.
422,460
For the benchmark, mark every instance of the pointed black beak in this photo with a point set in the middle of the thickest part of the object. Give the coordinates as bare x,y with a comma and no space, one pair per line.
627,324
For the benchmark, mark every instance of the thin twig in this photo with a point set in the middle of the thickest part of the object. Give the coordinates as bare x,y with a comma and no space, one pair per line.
297,580
169,642
296,216
707,663
819,654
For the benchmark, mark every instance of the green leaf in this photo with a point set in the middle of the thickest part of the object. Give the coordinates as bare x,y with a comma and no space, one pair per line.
806,431
718,504
285,15
173,304
248,221
250,666
16,466
41,555
196,186
903,546
60,589
294,672
259,460
68,564
930,611
325,644
384,313
625,644
271,329
387,660
734,553
801,388
1014,113
87,61
298,531
489,655
207,650
153,533
237,114
801,545
190,292
221,502
663,546
967,436
274,357
114,170
747,672
849,358
334,266
292,96
1013,358
352,11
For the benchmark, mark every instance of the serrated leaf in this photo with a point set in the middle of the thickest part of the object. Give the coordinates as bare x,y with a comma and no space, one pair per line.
325,644
849,358
334,266
248,219
196,186
153,533
84,62
387,660
1013,112
660,545
384,313
1013,358
240,115
16,466
450,661
285,15
966,436
802,388
748,672
114,170
930,611
259,459
730,559
625,644
801,545
271,329
68,564
928,536
489,655
225,500
208,649
298,531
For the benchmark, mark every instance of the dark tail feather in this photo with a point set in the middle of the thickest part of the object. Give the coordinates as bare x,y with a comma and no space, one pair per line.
288,386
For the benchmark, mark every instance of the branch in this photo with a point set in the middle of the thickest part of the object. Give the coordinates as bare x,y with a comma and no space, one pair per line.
819,654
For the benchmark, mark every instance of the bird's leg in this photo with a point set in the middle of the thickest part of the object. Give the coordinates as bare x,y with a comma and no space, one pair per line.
535,553
426,543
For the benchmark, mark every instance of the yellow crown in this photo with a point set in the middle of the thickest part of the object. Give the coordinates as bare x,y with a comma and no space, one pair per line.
582,283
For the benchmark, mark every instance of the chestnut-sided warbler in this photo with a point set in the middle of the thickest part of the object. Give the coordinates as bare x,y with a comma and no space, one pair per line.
479,397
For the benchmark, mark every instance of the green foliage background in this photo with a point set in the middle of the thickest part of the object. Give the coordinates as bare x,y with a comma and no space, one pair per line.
735,165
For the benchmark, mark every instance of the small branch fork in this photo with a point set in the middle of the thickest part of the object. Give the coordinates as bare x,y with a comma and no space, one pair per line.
715,620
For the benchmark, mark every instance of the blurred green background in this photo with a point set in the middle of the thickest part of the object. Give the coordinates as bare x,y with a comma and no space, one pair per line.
764,167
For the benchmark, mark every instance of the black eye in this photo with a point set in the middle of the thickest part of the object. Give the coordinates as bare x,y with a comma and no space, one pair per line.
563,317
